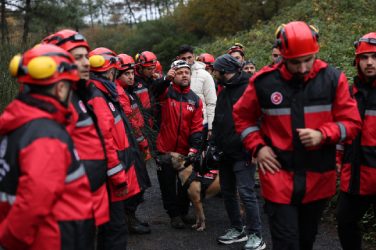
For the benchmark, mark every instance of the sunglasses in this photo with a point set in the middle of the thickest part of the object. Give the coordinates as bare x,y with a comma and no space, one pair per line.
129,65
151,61
75,38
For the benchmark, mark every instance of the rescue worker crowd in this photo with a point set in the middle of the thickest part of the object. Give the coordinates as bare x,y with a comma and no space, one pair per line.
75,141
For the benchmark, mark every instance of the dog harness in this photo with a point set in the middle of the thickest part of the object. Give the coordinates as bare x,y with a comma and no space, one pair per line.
205,180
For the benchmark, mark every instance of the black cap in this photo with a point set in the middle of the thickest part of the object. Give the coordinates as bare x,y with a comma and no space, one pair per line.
249,62
227,64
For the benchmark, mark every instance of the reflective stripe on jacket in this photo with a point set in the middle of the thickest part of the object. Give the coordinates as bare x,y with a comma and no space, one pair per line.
358,173
274,105
44,192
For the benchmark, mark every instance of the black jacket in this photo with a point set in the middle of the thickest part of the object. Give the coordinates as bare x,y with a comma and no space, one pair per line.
224,135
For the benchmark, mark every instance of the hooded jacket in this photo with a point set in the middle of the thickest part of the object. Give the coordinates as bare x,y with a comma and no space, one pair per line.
130,105
274,105
224,135
203,85
146,100
358,172
90,149
121,148
45,198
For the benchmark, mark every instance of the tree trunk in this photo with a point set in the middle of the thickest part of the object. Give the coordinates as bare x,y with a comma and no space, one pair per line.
26,22
132,16
3,22
90,3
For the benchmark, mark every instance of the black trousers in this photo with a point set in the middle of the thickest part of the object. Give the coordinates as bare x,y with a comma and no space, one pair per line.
350,210
175,200
294,227
132,203
113,234
77,234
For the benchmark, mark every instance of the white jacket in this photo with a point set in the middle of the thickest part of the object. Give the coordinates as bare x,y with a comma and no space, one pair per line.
202,84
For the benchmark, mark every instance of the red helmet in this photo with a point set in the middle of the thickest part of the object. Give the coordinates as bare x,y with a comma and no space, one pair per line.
146,59
237,47
44,64
297,39
366,44
206,58
102,59
67,39
125,62
159,68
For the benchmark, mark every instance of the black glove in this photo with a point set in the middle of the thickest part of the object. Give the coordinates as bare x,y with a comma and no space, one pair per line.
212,157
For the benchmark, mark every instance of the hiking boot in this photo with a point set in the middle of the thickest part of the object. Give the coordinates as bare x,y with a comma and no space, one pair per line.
135,226
188,219
254,243
177,222
233,235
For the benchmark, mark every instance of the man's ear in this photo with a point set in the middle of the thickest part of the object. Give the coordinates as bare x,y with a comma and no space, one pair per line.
59,89
177,57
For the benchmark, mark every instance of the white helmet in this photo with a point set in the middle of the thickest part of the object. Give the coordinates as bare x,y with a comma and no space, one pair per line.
180,64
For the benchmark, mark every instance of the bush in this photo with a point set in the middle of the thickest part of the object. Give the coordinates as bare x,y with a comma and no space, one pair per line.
341,22
8,85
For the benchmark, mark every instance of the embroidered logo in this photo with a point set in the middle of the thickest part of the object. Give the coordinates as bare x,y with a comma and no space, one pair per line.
82,106
276,98
190,108
112,107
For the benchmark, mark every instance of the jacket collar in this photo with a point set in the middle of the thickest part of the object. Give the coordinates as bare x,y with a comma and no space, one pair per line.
28,107
106,86
317,66
360,83
182,90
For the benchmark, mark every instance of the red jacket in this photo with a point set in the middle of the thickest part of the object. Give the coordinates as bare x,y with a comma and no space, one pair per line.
358,173
141,89
134,123
45,199
274,106
181,121
91,152
127,99
121,168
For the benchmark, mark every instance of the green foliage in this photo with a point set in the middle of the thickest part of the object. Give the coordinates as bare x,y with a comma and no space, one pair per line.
8,85
340,22
195,22
158,36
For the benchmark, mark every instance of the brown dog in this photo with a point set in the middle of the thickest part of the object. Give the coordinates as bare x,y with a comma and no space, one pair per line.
194,189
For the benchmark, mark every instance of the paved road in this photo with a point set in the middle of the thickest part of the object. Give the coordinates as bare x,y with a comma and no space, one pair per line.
163,237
